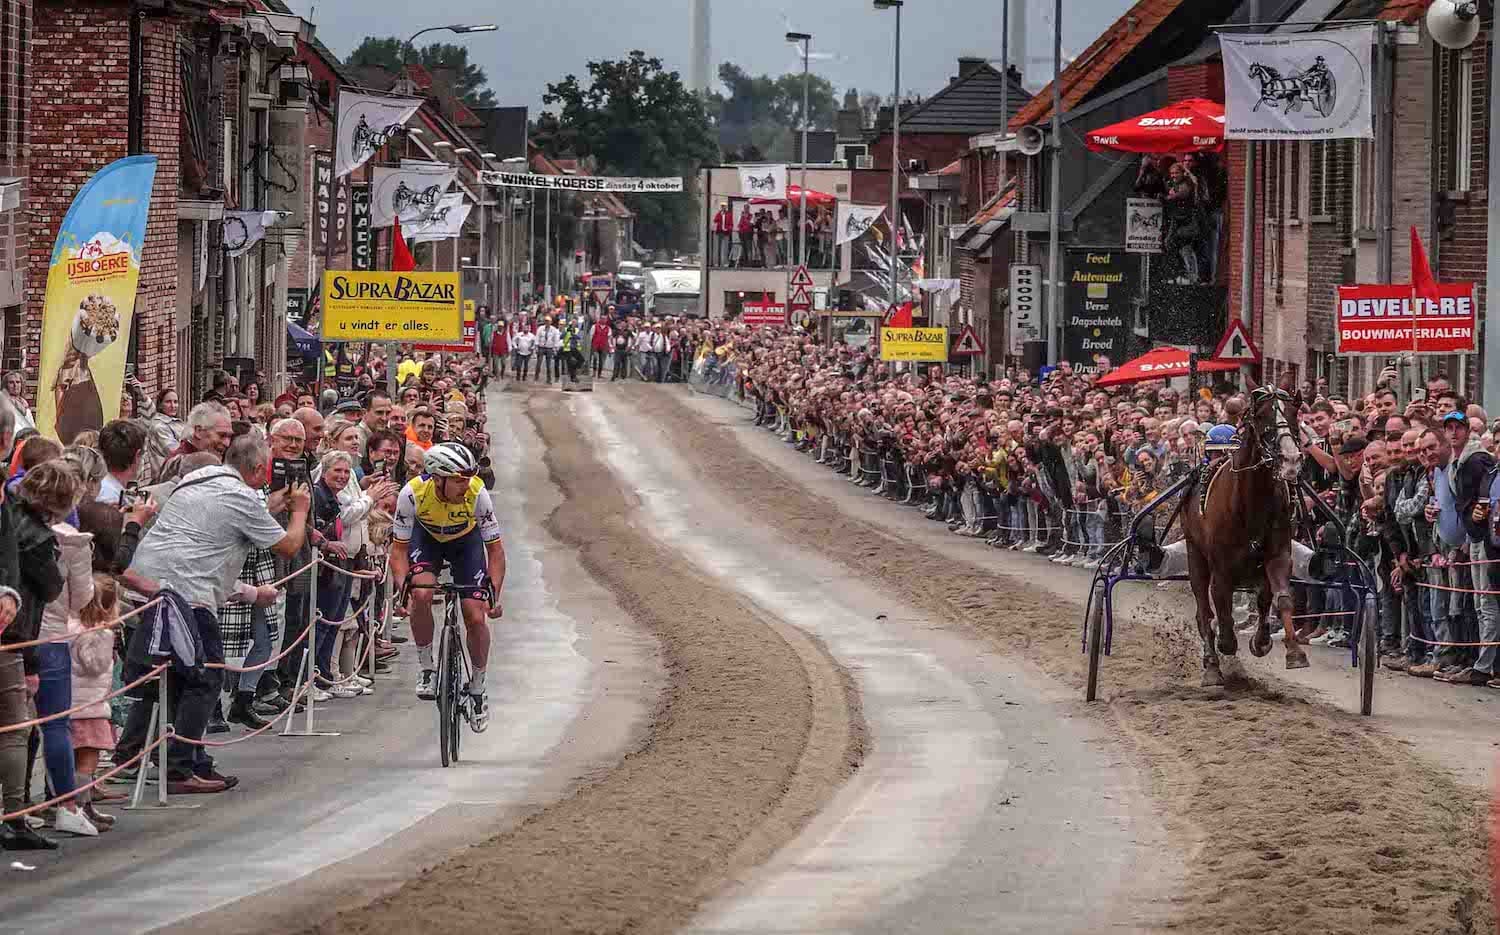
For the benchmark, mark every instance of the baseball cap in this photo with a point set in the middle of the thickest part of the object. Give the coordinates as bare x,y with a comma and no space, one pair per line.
1458,417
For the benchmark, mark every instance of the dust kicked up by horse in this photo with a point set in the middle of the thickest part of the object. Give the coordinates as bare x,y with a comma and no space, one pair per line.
1238,524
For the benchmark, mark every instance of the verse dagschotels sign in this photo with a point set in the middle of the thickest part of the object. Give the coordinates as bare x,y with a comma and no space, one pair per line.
384,306
1379,320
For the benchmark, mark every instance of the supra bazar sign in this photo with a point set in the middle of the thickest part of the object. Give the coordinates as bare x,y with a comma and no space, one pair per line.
579,183
1380,319
385,306
926,345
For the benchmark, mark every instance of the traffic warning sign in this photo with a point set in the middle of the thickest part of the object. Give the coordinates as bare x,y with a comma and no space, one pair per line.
968,344
1236,344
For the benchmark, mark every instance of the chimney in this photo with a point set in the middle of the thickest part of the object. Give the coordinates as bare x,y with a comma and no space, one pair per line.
968,64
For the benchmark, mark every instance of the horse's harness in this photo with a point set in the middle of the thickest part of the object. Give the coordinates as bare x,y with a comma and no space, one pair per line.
1265,443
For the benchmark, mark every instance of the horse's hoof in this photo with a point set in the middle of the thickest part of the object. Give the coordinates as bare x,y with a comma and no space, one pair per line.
1213,678
1228,644
1259,647
1296,660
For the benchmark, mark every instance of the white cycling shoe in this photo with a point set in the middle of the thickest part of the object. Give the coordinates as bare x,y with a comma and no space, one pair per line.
479,710
427,685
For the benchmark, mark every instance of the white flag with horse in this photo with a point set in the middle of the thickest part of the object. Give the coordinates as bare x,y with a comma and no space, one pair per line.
1313,86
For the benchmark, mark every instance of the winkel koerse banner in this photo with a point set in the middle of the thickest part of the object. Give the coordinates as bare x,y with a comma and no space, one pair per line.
580,183
1379,320
90,299
405,307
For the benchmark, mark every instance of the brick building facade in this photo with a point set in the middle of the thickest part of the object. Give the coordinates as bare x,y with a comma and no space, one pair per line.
15,73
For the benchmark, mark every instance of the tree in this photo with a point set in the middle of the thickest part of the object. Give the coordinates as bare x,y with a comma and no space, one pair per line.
765,114
634,117
467,80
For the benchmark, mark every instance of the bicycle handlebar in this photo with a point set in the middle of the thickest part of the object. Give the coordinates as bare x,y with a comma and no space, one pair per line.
407,586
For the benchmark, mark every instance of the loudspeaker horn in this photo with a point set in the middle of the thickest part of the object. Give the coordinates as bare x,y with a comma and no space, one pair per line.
1453,24
1031,140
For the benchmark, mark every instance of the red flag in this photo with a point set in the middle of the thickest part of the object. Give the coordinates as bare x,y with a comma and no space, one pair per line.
1423,285
899,316
401,258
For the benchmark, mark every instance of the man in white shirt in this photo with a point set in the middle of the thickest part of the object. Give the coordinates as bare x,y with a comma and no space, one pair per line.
523,344
643,350
549,342
661,349
121,442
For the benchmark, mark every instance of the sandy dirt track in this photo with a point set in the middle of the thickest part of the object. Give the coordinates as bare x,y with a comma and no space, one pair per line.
1294,816
756,729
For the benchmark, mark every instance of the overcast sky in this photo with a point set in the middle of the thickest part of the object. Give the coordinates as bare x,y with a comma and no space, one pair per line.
542,42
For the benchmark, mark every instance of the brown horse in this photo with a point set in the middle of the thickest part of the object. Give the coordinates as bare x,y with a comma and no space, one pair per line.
1239,532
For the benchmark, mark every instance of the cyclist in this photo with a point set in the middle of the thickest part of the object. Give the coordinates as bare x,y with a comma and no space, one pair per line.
444,516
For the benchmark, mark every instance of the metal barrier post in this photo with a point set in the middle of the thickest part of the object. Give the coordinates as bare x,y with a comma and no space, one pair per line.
159,729
308,666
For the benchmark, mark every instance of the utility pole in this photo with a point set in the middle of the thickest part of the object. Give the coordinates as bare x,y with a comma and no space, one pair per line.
1054,237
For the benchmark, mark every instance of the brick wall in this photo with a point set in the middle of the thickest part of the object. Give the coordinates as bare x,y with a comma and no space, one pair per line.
156,303
937,149
15,73
1463,216
1187,81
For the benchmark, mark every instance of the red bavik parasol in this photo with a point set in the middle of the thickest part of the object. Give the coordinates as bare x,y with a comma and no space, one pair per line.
794,196
1192,126
1162,363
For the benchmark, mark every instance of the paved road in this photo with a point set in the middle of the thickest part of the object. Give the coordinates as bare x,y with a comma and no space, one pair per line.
320,822
982,805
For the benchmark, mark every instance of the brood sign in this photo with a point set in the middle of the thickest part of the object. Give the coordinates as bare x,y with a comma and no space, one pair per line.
383,306
1379,320
580,183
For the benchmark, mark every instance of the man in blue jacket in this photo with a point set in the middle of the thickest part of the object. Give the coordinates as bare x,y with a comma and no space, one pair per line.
1469,475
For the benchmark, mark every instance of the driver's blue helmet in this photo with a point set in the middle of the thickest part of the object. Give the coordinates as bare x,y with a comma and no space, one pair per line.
1221,435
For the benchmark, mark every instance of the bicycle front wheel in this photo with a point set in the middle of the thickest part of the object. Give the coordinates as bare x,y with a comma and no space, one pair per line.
445,696
456,701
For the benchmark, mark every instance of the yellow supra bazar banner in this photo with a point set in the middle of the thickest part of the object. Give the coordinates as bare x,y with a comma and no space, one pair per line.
926,345
377,305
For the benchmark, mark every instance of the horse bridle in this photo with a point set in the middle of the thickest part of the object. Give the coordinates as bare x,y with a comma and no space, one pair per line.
1266,441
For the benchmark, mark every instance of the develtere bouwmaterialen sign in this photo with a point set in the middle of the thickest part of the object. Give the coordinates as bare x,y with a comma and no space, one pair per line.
1378,320
406,307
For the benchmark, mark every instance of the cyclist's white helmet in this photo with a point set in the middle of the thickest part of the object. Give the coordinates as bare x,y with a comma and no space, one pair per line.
450,459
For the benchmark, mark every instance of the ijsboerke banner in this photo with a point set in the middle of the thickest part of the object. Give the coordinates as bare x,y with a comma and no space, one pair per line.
1311,86
366,123
406,307
90,300
1379,319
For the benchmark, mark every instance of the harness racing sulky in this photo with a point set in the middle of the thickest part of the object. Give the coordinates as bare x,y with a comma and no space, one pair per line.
1242,520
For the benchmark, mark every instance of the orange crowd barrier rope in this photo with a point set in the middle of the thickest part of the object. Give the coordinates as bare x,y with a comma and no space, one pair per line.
69,637
106,777
230,667
290,708
26,725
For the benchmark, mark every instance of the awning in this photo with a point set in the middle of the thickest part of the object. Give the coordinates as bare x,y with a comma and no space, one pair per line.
302,341
1191,126
1162,363
794,196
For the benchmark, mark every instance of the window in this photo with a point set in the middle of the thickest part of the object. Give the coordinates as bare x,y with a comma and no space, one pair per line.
1294,181
11,357
1321,178
939,236
1463,122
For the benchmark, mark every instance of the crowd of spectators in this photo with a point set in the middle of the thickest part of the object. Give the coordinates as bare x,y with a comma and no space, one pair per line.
750,234
203,518
1191,188
1056,466
540,343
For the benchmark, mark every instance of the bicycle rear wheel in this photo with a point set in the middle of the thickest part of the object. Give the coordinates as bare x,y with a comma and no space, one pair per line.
445,697
456,701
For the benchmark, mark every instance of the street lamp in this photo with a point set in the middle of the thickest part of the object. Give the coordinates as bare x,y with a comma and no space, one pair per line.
460,28
895,145
806,40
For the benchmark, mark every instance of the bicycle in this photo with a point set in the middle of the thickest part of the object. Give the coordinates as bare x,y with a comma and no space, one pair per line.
453,669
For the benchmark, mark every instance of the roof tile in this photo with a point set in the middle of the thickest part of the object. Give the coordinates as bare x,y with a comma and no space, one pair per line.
1405,11
1096,62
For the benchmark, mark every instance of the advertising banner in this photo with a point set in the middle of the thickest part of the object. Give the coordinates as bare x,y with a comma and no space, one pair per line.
244,229
1310,86
1025,306
854,220
366,123
90,299
763,181
1379,320
1097,308
443,223
471,333
362,242
763,313
412,193
330,205
579,183
925,345
384,306
1144,219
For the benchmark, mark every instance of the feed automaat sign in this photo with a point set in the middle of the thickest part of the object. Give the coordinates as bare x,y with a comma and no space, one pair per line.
378,305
